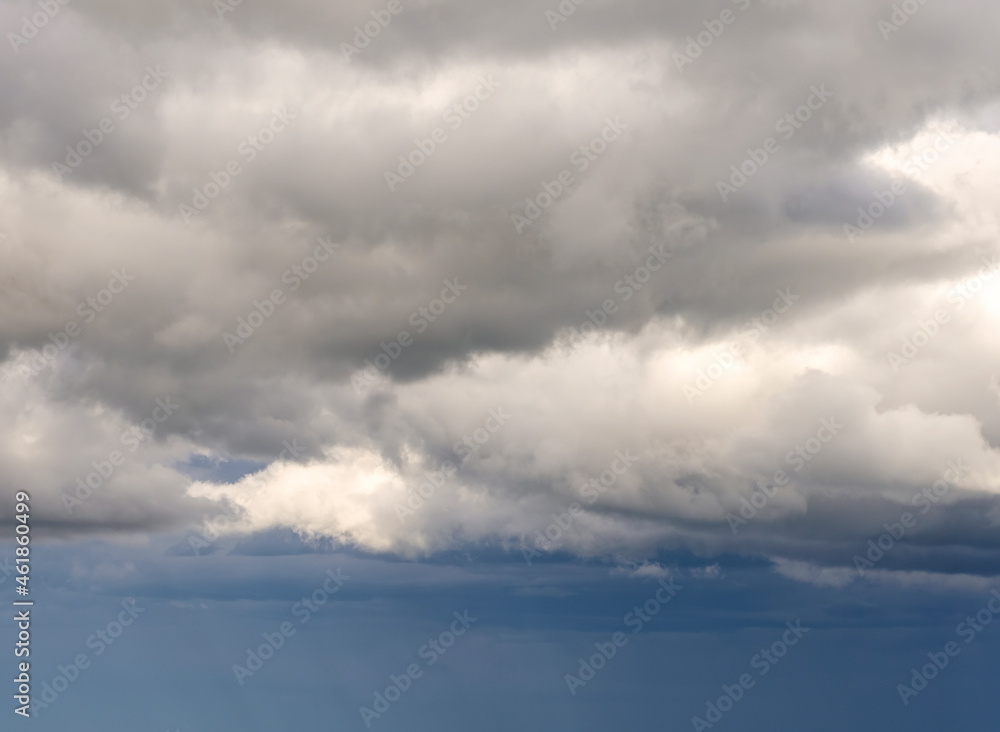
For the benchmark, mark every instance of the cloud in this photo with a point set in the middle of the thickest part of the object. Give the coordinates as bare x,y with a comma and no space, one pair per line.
647,570
639,311
819,576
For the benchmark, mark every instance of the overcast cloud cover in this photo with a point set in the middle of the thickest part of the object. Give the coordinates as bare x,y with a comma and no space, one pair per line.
520,307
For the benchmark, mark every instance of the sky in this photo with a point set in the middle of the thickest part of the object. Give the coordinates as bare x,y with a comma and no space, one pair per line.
438,364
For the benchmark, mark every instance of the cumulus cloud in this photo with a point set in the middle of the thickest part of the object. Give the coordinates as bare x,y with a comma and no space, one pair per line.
850,279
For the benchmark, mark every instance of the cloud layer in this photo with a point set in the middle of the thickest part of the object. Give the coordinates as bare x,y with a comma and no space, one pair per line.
440,286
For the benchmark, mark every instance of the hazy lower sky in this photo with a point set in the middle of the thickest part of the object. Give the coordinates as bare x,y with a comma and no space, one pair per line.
669,327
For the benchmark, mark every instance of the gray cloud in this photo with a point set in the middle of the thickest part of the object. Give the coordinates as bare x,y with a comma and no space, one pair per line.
506,341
